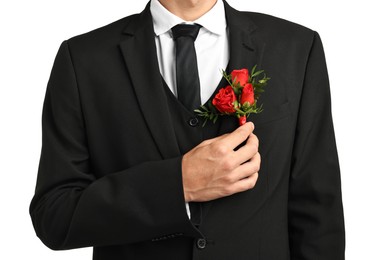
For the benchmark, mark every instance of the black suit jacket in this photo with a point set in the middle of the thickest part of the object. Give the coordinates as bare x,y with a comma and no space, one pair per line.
110,173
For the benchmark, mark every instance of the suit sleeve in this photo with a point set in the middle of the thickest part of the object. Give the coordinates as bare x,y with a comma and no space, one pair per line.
316,225
71,208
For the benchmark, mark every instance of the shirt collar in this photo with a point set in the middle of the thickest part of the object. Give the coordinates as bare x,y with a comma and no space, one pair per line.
163,20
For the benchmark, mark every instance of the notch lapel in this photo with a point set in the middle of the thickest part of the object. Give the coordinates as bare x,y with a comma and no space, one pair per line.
140,57
245,50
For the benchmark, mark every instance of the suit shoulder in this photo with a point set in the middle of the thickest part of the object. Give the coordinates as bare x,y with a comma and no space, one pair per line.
101,36
280,28
267,20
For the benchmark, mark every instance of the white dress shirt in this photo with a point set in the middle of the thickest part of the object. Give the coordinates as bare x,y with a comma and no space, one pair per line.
212,46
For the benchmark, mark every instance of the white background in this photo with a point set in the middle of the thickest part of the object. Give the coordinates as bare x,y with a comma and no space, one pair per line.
31,32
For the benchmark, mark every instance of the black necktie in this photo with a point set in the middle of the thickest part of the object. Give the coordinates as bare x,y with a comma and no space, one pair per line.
187,79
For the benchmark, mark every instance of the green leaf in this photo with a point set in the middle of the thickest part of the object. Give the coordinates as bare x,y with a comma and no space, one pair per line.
257,73
215,119
228,78
253,69
206,120
237,91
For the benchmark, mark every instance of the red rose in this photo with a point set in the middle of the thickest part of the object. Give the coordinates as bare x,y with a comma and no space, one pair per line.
240,76
247,95
224,100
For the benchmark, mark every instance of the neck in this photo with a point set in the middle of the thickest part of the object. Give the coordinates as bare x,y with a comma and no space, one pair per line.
188,10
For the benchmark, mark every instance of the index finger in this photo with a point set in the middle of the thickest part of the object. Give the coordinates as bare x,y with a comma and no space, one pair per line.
239,135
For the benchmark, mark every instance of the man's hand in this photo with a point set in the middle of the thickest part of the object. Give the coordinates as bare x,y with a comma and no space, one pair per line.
214,170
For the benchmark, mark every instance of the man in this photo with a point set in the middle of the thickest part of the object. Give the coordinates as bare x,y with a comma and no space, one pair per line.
122,156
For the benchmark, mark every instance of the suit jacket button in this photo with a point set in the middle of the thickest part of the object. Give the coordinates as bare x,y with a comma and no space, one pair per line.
201,243
193,121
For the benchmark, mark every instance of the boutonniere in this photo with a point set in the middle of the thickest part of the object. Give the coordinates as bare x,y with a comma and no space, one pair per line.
239,98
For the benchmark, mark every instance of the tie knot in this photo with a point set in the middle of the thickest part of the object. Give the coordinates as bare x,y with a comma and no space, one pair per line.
185,30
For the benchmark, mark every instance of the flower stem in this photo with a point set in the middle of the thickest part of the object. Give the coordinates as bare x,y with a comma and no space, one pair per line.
242,120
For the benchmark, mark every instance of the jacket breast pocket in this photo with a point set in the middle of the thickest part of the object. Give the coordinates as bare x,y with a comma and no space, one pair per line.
270,114
273,128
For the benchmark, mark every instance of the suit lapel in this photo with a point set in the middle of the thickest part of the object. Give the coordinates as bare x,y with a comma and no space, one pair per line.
140,56
245,50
